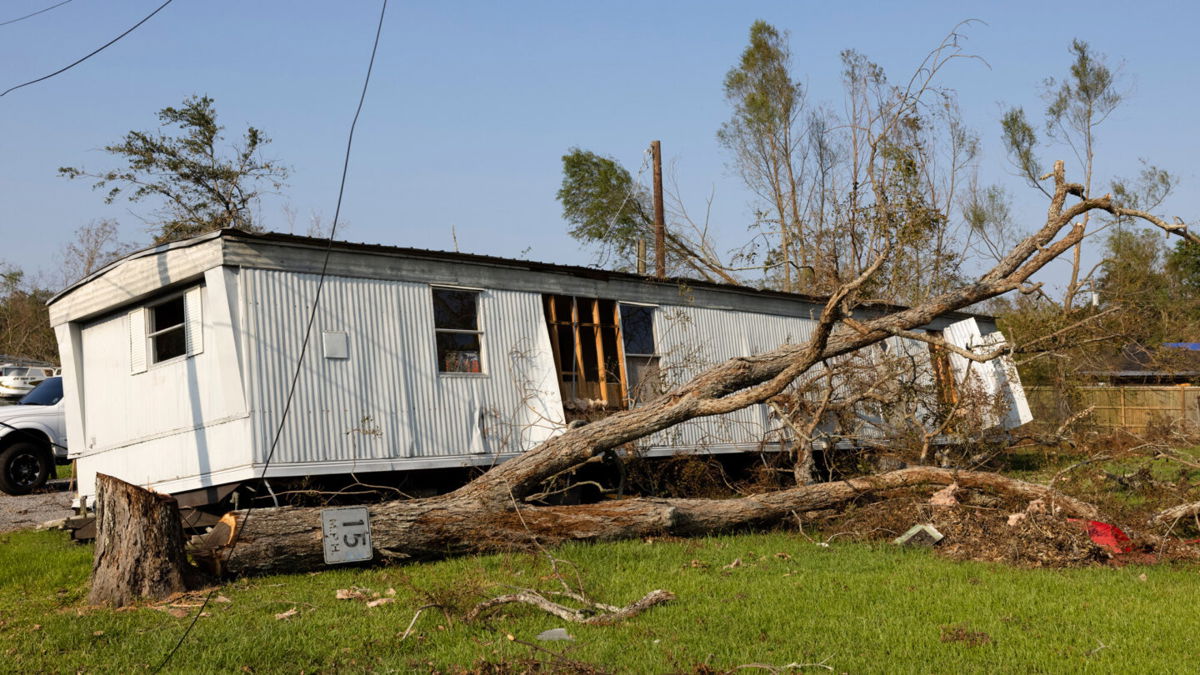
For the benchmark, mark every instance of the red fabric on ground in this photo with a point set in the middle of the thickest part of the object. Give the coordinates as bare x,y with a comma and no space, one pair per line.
1105,535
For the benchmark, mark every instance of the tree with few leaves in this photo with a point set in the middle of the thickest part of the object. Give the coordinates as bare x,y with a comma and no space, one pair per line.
198,184
1075,107
763,136
834,187
95,245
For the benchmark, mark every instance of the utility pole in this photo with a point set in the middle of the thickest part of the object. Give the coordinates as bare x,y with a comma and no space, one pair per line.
660,227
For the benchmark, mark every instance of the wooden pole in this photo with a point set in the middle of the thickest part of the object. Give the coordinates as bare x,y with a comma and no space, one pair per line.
660,227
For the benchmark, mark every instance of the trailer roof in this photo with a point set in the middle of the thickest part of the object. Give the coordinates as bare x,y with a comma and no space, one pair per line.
466,258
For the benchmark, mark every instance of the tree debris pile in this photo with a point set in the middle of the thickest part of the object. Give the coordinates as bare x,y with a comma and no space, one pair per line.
986,528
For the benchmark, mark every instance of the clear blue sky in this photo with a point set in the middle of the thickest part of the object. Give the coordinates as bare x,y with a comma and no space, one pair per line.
473,103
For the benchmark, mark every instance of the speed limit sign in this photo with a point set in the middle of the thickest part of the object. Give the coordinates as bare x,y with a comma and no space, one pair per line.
347,534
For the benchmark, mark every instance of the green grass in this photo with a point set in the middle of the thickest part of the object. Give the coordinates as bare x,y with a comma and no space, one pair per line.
859,608
65,470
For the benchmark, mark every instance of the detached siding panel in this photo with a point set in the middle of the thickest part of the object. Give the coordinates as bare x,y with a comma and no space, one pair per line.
387,403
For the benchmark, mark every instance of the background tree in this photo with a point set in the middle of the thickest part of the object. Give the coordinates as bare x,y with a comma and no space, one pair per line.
1183,264
763,136
24,321
95,245
1075,107
200,186
836,189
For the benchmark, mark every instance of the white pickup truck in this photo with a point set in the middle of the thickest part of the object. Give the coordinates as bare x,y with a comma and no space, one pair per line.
33,438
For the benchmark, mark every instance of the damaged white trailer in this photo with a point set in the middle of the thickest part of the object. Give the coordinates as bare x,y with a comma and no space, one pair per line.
177,360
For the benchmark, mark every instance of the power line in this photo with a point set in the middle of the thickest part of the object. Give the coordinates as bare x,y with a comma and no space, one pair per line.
308,328
95,52
27,16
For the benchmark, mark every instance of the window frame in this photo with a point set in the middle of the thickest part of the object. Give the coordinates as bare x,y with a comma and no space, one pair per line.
478,293
650,359
143,356
152,359
942,372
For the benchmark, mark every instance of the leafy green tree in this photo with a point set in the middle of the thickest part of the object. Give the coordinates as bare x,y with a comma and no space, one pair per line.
608,209
1183,264
199,185
604,205
1132,273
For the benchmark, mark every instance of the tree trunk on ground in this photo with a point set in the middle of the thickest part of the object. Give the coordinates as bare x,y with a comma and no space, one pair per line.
139,552
289,539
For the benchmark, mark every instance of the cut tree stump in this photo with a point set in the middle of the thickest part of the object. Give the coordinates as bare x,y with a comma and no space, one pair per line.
139,551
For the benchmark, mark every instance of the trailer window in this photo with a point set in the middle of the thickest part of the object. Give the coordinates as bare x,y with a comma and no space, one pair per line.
641,353
456,329
166,329
167,337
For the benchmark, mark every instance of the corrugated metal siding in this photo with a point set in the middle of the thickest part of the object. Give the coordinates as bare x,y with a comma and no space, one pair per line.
387,401
692,339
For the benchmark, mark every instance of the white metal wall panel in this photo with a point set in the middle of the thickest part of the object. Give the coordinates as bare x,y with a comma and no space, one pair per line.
180,399
387,401
692,339
917,367
172,462
1018,406
135,322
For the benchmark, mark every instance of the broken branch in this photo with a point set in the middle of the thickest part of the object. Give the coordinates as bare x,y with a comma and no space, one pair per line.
586,615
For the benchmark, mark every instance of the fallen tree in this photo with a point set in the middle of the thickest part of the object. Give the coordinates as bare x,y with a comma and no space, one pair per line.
288,539
490,513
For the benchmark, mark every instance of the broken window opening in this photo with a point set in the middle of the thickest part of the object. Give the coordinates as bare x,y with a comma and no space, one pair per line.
584,338
456,331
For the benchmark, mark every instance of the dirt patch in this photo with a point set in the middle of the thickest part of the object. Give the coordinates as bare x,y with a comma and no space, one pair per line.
963,634
28,511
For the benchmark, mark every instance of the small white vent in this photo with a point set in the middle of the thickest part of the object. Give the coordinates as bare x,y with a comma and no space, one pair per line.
335,344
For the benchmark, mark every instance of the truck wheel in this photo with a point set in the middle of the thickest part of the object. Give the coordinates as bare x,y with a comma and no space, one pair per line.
24,467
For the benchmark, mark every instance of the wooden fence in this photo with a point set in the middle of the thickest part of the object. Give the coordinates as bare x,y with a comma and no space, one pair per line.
1132,408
